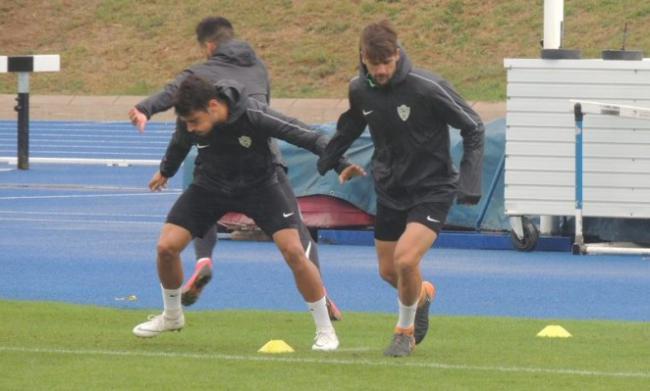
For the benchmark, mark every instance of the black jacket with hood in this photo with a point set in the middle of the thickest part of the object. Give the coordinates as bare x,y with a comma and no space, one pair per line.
409,122
235,157
233,60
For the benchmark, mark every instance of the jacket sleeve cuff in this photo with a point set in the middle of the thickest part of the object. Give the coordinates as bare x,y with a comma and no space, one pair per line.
143,110
342,165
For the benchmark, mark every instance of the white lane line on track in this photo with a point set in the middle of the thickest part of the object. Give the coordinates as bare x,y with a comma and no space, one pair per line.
36,151
90,195
81,214
101,147
330,361
72,186
88,139
78,221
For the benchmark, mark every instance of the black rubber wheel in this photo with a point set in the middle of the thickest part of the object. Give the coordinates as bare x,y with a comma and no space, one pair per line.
531,234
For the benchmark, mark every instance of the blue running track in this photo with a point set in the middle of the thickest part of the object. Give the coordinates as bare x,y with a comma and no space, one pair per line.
87,234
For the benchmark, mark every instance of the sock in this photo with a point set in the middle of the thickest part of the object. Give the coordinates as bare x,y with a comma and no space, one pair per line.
202,260
406,315
172,302
318,310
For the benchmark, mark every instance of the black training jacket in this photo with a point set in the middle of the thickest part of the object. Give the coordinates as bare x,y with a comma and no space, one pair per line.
235,157
409,123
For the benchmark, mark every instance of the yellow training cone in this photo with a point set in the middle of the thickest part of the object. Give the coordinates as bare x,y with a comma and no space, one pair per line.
276,346
554,331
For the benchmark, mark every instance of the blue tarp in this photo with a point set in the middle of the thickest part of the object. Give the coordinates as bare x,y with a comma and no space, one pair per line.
360,191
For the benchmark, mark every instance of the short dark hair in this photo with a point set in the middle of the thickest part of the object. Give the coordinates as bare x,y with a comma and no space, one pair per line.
193,94
214,29
378,41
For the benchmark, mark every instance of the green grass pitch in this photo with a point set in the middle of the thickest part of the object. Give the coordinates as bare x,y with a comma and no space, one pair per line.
48,346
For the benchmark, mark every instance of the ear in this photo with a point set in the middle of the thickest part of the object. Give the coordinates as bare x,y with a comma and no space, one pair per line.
208,48
213,105
363,58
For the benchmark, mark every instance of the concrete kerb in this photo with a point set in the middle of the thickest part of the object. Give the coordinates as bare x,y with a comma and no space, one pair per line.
115,108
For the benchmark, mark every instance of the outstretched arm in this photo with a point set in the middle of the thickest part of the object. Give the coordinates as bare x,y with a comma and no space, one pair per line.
348,128
291,130
157,103
177,149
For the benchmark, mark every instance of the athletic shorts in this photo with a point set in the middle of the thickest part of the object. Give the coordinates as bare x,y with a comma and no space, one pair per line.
391,223
197,209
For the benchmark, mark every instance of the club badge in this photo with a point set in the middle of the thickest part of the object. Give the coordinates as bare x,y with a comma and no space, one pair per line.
245,141
404,111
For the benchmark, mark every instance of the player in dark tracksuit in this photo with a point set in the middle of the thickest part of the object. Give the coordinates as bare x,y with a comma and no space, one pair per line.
235,172
409,112
227,58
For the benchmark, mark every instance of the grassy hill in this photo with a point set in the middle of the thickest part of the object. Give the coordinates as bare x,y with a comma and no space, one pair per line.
127,47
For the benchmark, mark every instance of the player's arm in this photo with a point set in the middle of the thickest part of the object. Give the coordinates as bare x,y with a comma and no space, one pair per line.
291,130
177,150
157,103
349,127
457,113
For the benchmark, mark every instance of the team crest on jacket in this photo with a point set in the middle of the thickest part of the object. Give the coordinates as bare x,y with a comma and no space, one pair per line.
245,141
404,111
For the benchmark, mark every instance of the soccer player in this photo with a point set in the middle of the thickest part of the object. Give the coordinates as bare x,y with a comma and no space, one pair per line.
408,111
226,58
235,173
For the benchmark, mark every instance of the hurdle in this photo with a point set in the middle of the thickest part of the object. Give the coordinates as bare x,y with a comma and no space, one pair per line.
23,66
634,206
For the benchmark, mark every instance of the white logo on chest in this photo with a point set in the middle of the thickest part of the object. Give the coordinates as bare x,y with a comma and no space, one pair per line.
245,141
404,111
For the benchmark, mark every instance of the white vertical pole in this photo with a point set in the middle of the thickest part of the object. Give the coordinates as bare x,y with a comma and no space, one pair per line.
553,21
23,82
547,225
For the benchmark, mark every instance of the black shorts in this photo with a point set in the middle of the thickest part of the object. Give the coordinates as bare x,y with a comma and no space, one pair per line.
391,223
197,209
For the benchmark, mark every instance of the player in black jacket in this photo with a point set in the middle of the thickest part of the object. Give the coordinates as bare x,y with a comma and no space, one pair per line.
234,172
226,58
408,112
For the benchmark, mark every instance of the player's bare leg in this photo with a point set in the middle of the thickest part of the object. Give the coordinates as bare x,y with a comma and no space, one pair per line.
399,265
308,242
173,239
202,275
310,286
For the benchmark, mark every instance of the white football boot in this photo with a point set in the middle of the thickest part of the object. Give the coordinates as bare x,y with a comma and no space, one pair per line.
158,324
325,340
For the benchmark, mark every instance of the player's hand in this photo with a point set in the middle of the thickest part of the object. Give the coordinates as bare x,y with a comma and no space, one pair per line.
158,182
138,119
350,172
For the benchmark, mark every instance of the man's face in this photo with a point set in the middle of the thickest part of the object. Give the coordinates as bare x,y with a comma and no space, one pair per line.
201,122
382,71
